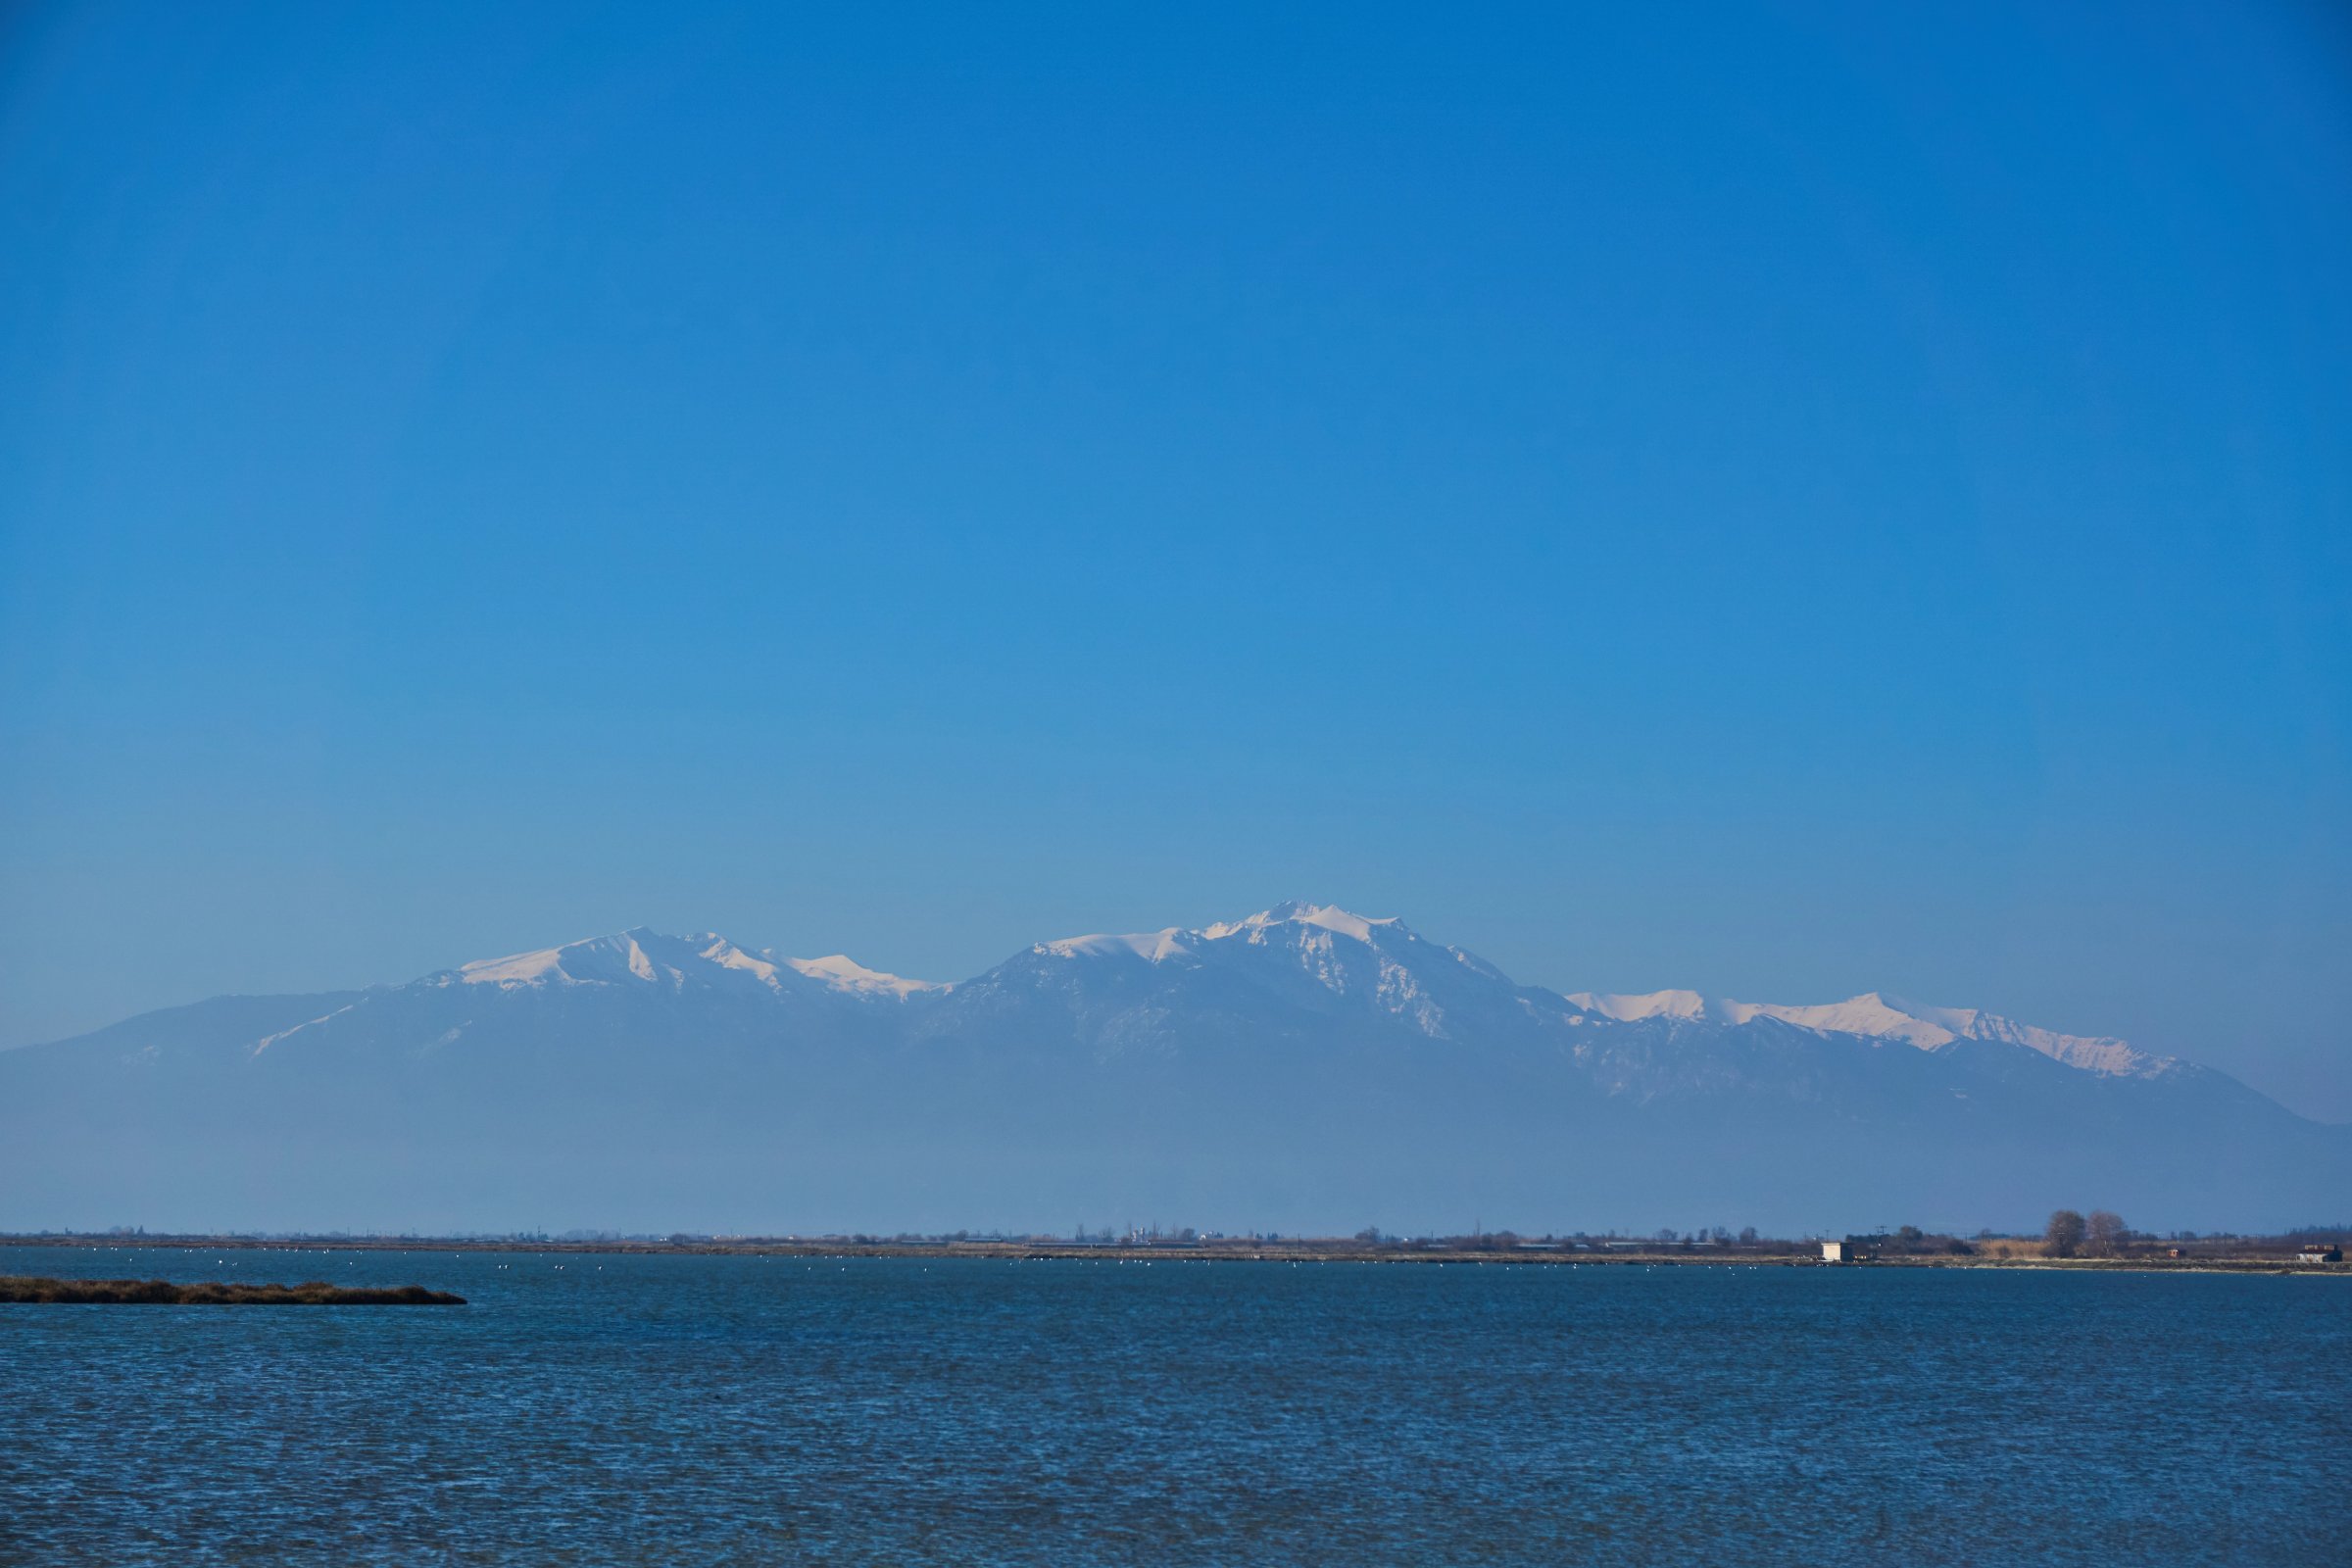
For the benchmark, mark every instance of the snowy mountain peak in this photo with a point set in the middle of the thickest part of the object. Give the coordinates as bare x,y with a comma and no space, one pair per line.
1869,1014
1325,916
1296,918
841,972
1631,1007
711,947
597,961
1153,947
2100,1053
1875,1014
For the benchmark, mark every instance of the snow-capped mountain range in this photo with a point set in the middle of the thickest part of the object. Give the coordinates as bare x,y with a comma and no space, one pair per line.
1380,963
1303,1064
649,958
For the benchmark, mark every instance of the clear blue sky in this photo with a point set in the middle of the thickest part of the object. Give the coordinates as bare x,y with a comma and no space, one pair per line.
1781,501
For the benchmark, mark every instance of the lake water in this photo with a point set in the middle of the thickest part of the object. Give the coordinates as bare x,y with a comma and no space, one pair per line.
683,1410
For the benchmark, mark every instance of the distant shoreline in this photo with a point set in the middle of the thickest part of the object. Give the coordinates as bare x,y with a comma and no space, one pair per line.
1187,1253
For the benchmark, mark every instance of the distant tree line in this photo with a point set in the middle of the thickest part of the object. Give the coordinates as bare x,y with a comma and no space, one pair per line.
2068,1235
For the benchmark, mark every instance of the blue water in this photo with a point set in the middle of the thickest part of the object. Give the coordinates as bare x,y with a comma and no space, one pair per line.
683,1410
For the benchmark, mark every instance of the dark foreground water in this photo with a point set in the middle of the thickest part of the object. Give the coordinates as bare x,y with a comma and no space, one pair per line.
681,1410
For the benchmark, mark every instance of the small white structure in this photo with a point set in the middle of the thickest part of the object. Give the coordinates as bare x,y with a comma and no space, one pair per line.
1835,1252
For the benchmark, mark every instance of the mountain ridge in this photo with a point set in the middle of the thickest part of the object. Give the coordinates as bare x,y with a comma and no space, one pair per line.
645,955
1297,1069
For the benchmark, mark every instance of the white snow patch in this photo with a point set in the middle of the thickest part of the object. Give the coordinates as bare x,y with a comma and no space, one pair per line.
1327,916
1153,947
843,973
728,956
1868,1014
544,966
267,1040
2100,1053
1879,1016
1632,1009
1874,1015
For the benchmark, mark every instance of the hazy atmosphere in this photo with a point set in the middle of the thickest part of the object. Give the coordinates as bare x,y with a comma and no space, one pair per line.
1832,501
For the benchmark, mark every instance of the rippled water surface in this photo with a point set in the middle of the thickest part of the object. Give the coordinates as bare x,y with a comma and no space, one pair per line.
745,1410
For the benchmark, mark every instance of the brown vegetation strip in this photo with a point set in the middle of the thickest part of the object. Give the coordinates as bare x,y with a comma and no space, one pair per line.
163,1293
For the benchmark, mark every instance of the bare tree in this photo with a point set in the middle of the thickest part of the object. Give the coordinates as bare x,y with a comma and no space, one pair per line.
2105,1232
2064,1238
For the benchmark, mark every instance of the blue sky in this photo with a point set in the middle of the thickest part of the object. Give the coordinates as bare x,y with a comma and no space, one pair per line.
1781,501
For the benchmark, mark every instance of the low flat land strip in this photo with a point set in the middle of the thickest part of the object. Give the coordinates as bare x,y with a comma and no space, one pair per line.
163,1293
2262,1259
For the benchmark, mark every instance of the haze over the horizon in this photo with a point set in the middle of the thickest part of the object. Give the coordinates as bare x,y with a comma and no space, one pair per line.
1818,501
